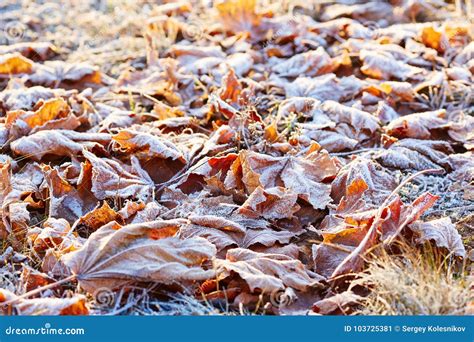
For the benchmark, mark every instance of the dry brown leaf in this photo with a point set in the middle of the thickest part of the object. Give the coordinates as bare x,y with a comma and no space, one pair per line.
324,87
434,39
31,279
58,143
443,232
337,127
266,272
52,114
98,217
301,175
66,201
47,306
272,203
338,303
310,63
231,87
111,178
14,63
383,66
17,96
416,154
378,180
52,234
114,256
53,73
238,15
351,233
145,145
417,125
236,231
17,189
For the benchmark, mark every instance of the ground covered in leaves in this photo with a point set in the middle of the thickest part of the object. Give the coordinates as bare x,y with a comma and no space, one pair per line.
236,158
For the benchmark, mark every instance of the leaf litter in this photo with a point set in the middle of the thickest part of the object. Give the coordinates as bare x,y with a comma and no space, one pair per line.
234,155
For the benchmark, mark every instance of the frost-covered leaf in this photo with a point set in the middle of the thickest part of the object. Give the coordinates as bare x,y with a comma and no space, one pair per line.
99,216
236,231
310,63
378,180
443,232
418,125
52,235
337,127
110,178
52,114
416,154
272,203
238,15
324,87
337,303
14,63
58,143
17,96
354,227
67,201
145,145
301,175
47,306
384,66
266,272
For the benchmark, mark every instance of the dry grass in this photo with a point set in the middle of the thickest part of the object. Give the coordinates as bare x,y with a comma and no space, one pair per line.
415,282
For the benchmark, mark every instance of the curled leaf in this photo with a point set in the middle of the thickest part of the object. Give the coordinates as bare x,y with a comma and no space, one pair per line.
148,252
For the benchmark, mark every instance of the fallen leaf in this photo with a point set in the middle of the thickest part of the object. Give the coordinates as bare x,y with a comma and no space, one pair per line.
58,143
418,125
52,114
266,272
145,145
114,255
67,201
302,175
99,216
273,203
14,63
416,154
443,232
238,15
234,231
310,63
384,66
